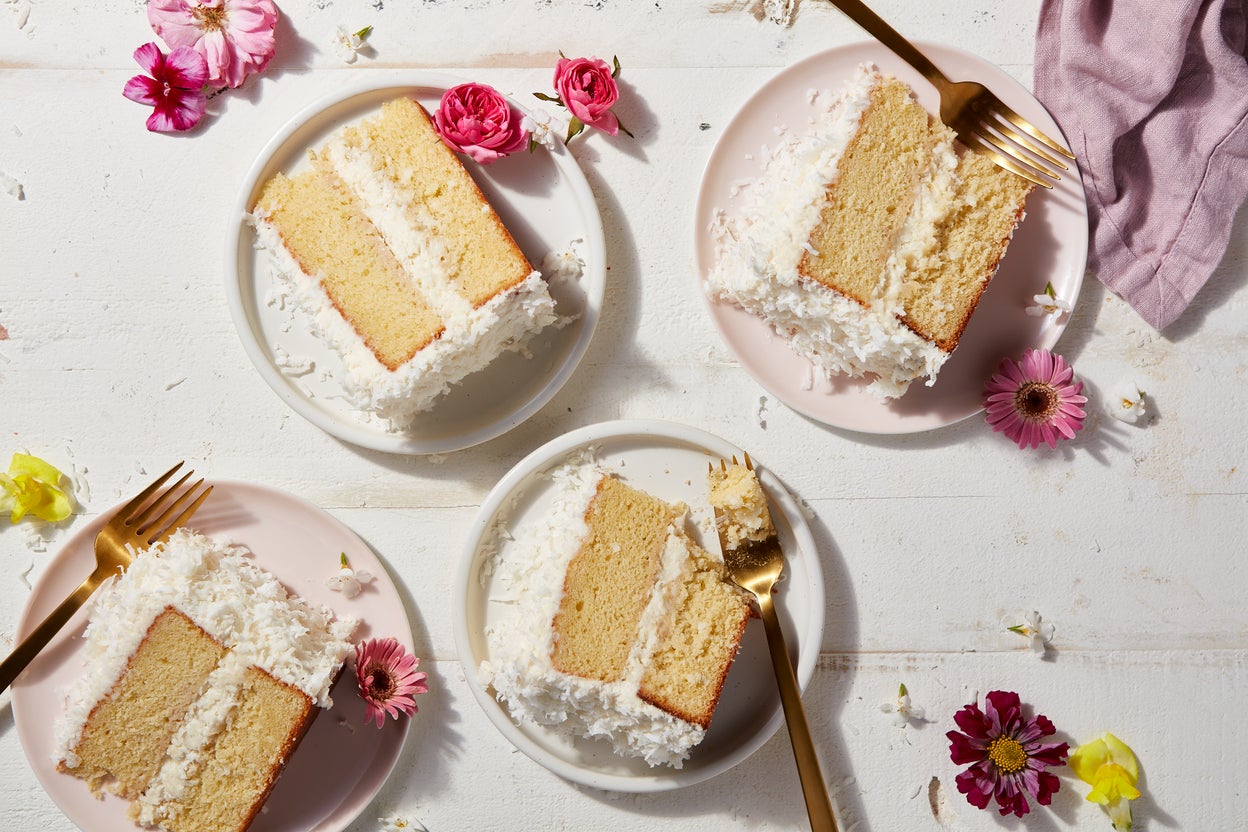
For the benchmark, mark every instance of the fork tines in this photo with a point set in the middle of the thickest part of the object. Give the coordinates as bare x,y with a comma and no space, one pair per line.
152,526
993,133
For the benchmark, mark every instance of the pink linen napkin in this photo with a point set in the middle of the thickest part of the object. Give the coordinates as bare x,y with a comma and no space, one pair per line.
1153,96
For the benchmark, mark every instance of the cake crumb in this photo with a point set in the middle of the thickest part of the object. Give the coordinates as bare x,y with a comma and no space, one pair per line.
12,187
20,9
290,366
566,264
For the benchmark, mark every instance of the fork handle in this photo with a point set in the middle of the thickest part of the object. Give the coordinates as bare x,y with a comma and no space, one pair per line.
879,29
814,790
30,646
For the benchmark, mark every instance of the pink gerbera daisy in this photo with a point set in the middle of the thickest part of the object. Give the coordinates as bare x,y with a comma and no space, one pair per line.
1007,759
388,679
175,88
236,37
1035,400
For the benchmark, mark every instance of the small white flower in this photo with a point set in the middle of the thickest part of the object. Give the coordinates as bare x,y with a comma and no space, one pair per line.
1126,402
350,582
1034,629
347,45
902,710
539,124
1048,303
395,823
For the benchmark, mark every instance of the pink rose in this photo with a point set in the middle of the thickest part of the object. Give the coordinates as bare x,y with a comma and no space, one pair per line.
477,120
586,87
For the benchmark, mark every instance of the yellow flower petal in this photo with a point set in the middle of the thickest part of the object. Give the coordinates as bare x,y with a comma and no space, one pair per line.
33,466
1112,782
32,486
1088,758
1122,755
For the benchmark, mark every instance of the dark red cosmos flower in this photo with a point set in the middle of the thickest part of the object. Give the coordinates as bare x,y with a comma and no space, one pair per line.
1006,756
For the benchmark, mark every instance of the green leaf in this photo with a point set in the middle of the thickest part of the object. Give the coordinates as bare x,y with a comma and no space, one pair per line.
615,73
627,132
902,690
342,558
575,127
551,98
364,33
1049,290
532,143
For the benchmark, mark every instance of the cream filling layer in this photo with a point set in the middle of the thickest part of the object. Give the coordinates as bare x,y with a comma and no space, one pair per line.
406,226
203,723
759,249
520,668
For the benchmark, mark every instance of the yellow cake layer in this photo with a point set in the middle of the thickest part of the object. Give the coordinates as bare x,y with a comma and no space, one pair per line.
481,257
867,205
325,230
242,764
609,582
128,731
940,295
687,670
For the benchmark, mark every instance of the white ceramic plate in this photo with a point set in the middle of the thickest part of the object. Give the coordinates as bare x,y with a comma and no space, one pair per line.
545,202
1051,245
670,461
341,763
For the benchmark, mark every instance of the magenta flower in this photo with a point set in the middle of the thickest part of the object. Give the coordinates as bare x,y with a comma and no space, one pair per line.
234,36
1007,759
586,86
388,679
1037,400
476,119
175,88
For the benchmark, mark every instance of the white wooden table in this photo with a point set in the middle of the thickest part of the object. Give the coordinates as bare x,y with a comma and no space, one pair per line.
120,356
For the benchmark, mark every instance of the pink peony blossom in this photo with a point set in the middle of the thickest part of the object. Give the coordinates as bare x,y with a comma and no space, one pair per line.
586,86
476,119
386,674
234,36
175,88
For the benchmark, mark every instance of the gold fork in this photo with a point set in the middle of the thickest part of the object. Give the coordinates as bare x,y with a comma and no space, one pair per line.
981,120
132,529
755,565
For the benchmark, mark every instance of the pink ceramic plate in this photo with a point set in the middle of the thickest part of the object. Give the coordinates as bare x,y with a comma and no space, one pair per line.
341,763
1051,245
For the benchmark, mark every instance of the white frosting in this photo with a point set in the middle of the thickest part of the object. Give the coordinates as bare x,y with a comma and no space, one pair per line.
532,572
223,592
761,246
472,338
